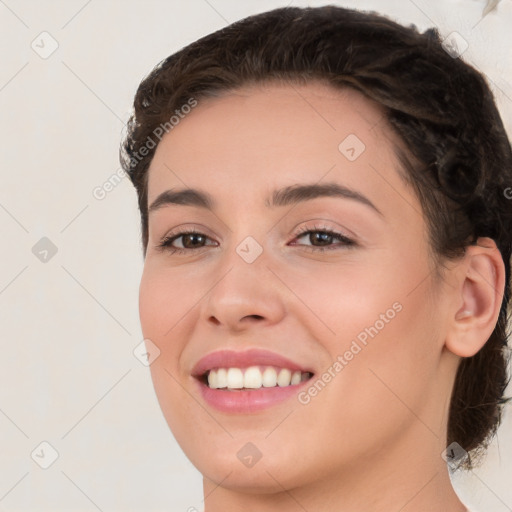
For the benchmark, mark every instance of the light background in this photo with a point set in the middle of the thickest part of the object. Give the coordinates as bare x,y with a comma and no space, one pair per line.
68,326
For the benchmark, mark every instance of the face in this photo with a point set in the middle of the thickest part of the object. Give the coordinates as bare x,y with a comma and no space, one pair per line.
314,310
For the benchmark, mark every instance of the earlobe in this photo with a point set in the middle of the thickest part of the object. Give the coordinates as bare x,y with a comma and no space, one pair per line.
480,290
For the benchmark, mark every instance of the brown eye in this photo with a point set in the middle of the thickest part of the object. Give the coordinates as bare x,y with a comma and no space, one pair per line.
190,241
323,239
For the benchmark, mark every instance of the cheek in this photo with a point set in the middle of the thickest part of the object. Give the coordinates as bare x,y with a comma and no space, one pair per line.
152,303
162,309
389,349
163,301
379,319
338,302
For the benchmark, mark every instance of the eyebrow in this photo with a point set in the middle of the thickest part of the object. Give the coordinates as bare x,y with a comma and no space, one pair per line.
286,196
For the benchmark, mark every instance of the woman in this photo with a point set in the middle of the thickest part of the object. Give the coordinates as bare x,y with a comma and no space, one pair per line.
327,241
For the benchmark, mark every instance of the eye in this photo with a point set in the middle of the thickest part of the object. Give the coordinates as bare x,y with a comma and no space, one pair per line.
191,240
324,236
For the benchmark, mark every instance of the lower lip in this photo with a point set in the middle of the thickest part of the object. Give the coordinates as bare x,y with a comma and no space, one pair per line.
248,400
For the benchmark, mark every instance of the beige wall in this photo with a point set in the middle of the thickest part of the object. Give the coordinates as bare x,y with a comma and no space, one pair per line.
68,326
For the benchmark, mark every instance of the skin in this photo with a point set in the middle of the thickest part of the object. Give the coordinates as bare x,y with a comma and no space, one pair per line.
372,438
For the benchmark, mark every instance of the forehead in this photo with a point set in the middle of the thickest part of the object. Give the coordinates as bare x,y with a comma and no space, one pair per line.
275,134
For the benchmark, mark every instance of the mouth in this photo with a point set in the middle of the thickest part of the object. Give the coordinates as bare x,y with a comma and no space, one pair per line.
250,381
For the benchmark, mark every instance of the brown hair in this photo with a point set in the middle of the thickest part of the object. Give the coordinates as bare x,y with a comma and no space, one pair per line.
458,156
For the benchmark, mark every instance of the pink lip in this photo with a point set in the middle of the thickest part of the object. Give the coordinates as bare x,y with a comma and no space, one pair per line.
245,401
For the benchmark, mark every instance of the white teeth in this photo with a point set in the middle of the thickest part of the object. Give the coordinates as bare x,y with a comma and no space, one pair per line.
254,378
212,380
235,378
269,378
222,378
284,378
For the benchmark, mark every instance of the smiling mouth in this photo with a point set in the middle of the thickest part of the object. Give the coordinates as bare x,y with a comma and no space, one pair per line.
252,378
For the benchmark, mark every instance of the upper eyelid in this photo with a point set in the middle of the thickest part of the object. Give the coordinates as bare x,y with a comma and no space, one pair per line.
298,231
317,226
306,229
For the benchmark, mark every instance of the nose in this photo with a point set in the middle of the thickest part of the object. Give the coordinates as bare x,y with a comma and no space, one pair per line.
247,294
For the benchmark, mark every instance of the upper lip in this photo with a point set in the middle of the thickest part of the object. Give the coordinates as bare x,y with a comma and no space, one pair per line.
244,359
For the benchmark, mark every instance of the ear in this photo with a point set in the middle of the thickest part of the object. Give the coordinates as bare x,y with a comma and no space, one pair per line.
480,286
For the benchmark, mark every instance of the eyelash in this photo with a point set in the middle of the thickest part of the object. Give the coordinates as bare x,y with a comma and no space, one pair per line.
165,243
